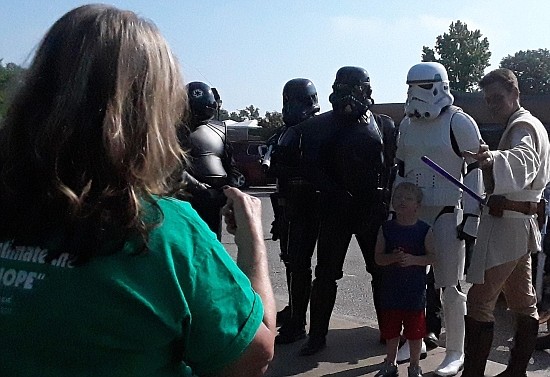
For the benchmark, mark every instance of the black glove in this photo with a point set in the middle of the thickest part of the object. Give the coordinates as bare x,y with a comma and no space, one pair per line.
467,229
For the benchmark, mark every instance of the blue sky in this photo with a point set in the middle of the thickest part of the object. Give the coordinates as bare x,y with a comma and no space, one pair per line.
248,49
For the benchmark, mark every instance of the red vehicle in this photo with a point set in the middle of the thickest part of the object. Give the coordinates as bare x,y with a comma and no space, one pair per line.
247,155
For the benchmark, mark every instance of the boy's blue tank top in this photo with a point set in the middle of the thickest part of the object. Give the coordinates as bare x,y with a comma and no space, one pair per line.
404,288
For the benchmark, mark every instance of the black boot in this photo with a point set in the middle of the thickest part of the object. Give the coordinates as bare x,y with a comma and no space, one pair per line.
543,342
376,300
294,328
524,344
323,297
477,345
284,315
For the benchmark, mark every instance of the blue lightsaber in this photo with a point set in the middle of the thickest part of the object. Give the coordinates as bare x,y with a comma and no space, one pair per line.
452,179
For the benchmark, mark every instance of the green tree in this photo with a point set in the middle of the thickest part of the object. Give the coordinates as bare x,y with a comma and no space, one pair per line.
253,112
236,116
250,112
244,114
269,123
464,54
532,68
10,75
271,120
223,114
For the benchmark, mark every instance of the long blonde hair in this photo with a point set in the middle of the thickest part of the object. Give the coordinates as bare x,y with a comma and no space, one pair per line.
91,135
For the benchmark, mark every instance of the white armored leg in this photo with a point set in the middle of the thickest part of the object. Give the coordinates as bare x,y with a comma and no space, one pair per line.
454,308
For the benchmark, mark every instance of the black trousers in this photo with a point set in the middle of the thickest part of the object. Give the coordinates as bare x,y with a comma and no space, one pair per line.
301,218
210,212
339,222
433,305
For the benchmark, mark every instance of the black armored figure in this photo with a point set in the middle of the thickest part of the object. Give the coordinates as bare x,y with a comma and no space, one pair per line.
347,154
211,156
296,208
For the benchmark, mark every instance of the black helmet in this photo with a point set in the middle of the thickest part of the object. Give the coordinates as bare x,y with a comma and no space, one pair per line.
351,92
202,101
300,101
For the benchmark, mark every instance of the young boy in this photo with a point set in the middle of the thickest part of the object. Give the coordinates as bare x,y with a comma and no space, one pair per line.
403,250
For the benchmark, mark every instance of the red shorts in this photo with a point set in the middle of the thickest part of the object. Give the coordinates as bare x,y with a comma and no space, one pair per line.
413,323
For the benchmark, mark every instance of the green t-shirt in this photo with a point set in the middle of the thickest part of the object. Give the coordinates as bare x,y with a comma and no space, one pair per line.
127,314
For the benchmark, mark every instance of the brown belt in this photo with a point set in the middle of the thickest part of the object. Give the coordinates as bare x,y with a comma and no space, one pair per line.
498,204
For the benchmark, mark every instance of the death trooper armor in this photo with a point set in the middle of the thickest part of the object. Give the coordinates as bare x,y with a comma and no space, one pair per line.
433,127
347,154
296,208
211,163
300,102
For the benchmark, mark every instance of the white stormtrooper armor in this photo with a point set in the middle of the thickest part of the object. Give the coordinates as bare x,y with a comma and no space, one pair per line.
428,90
442,132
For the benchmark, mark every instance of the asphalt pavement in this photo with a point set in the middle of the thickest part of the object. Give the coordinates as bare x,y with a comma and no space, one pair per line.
353,347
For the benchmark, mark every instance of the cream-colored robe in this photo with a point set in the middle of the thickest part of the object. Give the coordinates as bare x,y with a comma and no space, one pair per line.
521,170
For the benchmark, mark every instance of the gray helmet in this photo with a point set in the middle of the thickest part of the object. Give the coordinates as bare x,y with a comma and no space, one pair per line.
300,101
202,101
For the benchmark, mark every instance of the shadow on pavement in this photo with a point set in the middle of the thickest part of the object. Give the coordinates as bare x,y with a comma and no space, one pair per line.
502,342
350,346
355,351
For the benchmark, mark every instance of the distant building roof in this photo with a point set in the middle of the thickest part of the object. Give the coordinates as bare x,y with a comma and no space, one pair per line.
239,130
245,123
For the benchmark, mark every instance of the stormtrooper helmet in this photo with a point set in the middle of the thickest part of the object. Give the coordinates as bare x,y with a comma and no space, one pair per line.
351,92
300,101
428,91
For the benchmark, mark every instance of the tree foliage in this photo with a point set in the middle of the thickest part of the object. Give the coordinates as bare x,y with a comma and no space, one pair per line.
268,123
223,114
9,78
532,68
464,54
249,112
271,120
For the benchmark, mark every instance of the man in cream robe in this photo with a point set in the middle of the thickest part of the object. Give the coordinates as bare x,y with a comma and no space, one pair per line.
515,176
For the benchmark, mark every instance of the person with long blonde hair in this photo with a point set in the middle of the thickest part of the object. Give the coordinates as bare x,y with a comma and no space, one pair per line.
101,272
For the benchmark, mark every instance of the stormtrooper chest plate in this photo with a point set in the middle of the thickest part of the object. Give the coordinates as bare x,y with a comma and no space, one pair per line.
432,139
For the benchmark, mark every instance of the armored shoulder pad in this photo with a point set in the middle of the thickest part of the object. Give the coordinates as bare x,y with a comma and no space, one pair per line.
465,131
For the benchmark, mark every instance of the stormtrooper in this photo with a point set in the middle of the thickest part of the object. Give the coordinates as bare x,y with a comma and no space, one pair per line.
296,208
347,154
211,164
435,128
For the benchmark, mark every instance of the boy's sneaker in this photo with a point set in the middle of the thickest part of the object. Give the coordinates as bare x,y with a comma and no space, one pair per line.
414,371
388,370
